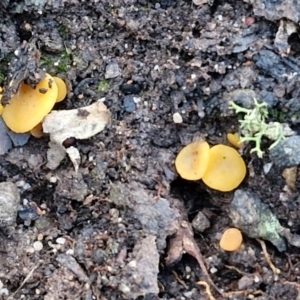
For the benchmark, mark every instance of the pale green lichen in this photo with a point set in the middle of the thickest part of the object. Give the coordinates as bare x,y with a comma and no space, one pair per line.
254,126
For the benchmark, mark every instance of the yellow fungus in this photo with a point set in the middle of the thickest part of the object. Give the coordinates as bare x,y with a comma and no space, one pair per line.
235,140
191,162
1,107
231,239
29,106
37,131
62,89
226,169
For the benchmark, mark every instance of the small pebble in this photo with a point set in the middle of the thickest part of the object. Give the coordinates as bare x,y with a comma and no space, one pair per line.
124,288
38,246
112,70
4,292
177,118
132,264
61,240
267,167
129,104
200,222
28,214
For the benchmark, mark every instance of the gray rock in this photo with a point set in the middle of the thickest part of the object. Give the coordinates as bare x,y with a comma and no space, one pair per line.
286,154
9,203
200,222
255,219
112,70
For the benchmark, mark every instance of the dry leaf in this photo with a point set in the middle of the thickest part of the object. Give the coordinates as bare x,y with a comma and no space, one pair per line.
81,123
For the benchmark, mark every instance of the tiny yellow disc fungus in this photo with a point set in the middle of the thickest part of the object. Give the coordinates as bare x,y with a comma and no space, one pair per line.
37,131
235,140
29,106
226,169
62,89
191,162
231,239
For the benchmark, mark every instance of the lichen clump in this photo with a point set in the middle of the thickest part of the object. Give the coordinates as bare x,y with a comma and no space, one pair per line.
254,126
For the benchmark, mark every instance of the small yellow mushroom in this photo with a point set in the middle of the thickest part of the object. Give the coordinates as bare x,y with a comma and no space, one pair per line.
37,131
235,140
226,169
191,162
62,89
231,239
29,106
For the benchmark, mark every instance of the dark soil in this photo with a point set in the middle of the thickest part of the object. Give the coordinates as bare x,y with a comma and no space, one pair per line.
120,227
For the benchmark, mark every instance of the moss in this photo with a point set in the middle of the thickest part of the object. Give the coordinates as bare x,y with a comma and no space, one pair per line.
103,86
59,64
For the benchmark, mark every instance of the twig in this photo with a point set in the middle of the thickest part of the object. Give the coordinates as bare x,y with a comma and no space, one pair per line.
275,270
24,281
179,280
207,289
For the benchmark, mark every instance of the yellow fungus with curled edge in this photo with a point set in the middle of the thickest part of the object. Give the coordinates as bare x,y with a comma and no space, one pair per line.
226,169
235,140
191,162
37,131
62,89
231,239
29,106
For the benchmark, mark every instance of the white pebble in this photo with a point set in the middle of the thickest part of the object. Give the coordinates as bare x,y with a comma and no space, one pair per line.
53,179
177,118
70,252
213,270
4,292
60,240
132,264
38,246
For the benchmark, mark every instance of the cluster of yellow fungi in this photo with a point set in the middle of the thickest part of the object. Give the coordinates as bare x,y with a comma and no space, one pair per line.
27,109
220,167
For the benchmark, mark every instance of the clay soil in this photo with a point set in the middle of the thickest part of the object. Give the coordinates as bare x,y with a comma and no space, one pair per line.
120,228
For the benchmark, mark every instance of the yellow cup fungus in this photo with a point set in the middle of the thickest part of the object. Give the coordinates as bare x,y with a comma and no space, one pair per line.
231,239
226,169
37,131
191,162
220,167
235,140
62,89
29,106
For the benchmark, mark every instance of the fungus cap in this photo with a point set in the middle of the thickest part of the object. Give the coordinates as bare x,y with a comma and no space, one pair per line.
191,162
235,140
29,106
62,89
231,239
226,169
37,131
